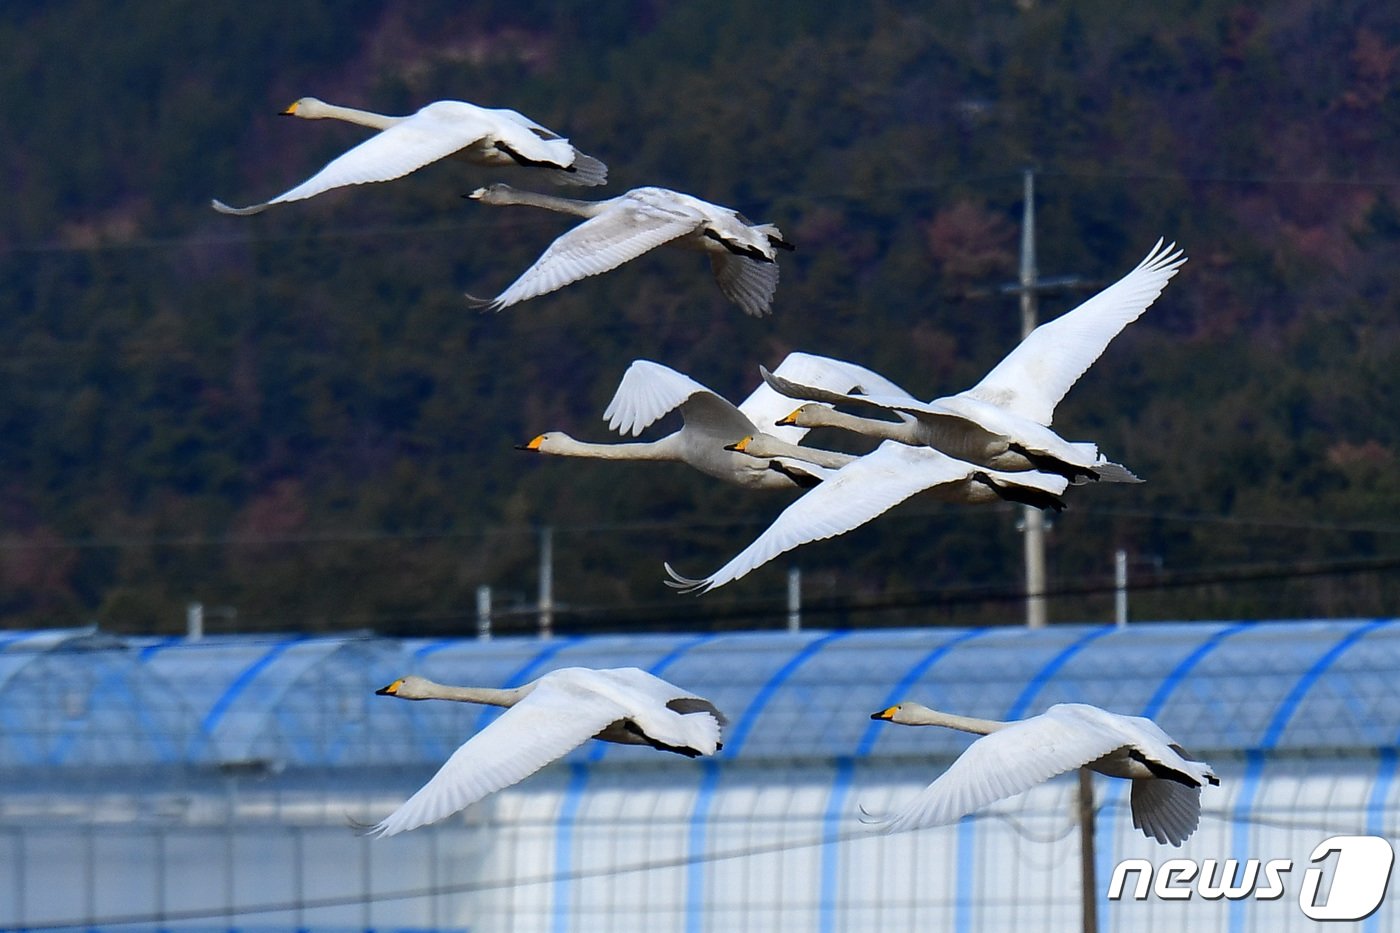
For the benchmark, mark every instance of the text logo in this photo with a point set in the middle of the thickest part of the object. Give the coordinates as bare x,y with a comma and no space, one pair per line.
1355,869
1359,878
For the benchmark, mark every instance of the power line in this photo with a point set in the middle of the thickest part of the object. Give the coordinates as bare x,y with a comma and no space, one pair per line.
862,194
675,612
357,536
1015,823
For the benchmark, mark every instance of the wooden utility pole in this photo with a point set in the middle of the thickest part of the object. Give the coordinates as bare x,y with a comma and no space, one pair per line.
1088,880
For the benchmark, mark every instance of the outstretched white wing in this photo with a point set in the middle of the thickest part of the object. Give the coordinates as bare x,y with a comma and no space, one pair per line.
626,229
1165,810
649,391
850,497
546,724
1032,379
806,372
1006,762
868,384
431,134
649,703
748,283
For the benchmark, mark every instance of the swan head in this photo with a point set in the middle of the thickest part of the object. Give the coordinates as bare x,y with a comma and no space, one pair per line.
760,446
806,416
907,713
308,108
493,194
544,443
411,687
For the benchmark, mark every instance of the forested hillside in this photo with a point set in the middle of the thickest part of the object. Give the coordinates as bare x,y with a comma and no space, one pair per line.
297,415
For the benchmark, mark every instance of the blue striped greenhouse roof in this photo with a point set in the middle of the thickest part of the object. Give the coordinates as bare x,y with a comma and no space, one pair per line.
78,698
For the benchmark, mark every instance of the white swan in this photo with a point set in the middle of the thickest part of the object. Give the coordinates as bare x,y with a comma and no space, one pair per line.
712,425
743,255
546,719
867,487
1013,757
445,128
1004,420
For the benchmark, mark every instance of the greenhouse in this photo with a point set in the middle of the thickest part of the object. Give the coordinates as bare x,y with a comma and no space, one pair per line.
215,783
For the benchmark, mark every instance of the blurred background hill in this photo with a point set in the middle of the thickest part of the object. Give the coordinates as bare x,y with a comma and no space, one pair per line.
297,415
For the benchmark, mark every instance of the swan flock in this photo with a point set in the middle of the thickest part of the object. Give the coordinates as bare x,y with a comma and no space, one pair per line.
987,444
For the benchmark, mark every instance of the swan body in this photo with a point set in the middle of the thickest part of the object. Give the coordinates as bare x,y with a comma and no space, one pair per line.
743,255
544,720
445,128
649,391
1004,420
1013,757
868,486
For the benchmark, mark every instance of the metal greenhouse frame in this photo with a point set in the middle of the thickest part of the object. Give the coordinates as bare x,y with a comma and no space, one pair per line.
174,784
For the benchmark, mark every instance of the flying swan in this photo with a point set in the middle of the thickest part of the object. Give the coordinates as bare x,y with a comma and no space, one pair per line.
865,488
743,255
1012,757
443,129
1004,420
544,720
713,425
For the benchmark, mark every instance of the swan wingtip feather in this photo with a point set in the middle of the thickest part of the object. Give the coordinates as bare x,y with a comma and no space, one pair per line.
223,208
483,304
367,830
685,584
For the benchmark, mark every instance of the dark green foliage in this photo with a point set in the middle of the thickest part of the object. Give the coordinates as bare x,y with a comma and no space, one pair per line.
298,416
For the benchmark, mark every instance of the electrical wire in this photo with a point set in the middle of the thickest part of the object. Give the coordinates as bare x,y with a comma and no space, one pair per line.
1016,824
863,194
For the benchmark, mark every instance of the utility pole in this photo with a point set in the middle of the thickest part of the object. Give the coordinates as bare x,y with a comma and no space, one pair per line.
483,612
1033,520
546,600
1120,588
194,621
794,594
1088,883
1029,288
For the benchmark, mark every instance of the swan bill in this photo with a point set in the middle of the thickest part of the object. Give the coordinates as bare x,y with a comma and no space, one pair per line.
531,445
391,690
885,714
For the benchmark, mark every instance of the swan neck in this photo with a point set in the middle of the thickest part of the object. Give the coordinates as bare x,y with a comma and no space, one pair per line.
504,194
768,446
487,696
870,427
933,717
662,449
324,111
